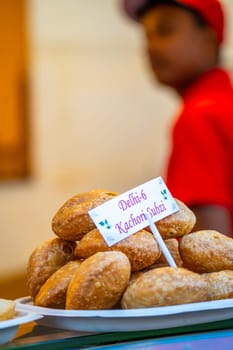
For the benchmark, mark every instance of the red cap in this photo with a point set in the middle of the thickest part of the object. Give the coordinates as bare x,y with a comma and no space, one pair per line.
210,10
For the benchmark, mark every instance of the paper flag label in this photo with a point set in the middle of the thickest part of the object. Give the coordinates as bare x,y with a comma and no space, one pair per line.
126,214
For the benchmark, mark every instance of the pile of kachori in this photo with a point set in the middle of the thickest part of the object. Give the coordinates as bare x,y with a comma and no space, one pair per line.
77,270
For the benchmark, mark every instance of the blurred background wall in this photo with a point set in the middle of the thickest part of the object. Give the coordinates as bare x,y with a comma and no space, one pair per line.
97,117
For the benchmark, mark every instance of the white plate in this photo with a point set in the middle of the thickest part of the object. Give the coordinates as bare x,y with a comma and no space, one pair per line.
9,328
134,319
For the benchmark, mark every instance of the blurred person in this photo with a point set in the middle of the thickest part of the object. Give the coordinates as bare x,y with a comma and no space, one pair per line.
183,43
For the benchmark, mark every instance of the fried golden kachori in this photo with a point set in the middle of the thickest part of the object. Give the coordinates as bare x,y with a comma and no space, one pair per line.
141,248
45,260
53,291
173,247
164,286
219,284
177,224
206,251
99,281
72,221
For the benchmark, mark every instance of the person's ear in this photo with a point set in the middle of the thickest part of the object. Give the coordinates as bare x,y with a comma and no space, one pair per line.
210,36
211,43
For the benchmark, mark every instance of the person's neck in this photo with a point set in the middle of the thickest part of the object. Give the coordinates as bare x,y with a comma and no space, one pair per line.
181,88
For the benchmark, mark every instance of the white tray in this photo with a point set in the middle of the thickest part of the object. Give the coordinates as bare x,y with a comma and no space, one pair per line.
131,320
9,328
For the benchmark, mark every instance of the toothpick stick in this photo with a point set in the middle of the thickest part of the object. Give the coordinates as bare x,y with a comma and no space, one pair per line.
161,243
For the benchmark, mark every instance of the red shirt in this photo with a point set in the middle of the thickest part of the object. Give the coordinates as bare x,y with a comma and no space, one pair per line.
200,169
